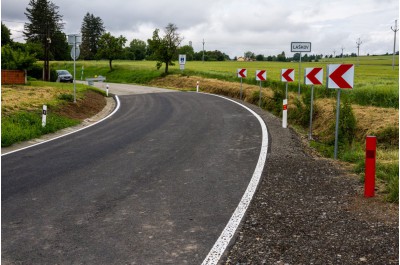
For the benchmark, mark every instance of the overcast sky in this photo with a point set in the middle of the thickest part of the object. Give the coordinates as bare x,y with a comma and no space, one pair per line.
235,26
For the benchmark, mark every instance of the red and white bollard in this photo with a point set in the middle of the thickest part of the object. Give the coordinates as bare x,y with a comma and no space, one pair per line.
284,114
370,161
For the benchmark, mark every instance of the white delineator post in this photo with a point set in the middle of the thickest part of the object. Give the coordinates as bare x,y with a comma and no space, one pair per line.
44,114
284,114
197,86
107,86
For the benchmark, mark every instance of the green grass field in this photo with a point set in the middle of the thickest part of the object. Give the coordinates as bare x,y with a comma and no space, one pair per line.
376,83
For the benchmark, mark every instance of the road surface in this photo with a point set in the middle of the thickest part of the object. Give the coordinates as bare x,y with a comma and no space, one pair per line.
153,184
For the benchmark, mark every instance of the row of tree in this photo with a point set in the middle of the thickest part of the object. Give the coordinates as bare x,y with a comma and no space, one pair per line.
46,41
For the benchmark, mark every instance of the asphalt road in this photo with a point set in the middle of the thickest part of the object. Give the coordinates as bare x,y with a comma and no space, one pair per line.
154,184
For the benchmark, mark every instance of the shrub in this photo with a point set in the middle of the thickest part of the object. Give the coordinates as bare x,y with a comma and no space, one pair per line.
347,123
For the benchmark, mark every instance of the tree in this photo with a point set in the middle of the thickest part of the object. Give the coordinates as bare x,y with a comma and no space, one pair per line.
110,47
249,55
165,49
5,35
16,59
281,57
260,57
188,50
44,23
137,49
92,29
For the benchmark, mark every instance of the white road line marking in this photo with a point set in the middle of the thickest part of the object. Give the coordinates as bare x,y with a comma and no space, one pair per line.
112,113
222,242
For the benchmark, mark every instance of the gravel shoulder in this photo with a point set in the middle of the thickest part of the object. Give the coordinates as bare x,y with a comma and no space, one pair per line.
309,210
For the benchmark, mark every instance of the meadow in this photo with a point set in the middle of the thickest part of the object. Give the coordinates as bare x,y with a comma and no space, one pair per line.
375,84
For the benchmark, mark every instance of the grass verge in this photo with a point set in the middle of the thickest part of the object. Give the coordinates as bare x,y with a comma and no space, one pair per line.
22,109
23,125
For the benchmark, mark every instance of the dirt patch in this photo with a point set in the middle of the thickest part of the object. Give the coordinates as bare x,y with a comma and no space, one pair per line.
84,108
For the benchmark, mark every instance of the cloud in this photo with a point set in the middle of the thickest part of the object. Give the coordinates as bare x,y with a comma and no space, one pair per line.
236,26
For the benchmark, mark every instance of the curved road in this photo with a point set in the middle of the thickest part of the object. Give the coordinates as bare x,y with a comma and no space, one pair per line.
153,184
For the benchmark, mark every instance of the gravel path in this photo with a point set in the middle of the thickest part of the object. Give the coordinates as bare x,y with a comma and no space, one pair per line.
309,211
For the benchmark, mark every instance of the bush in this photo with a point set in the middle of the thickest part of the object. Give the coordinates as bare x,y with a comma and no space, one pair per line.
36,72
347,123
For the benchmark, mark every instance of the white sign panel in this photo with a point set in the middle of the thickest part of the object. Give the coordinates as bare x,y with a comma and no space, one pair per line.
75,52
182,58
74,39
300,47
241,72
340,76
261,75
313,76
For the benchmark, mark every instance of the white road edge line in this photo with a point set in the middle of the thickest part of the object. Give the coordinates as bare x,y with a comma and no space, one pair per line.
227,234
112,113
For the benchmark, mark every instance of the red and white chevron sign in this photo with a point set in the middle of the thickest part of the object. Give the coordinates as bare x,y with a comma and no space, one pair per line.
287,75
261,75
242,73
313,76
340,76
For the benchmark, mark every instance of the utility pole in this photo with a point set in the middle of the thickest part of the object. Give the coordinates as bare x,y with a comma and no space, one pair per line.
359,42
46,68
342,51
394,46
334,53
203,51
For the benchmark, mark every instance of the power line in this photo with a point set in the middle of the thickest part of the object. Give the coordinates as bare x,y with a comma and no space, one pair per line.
203,50
395,29
359,42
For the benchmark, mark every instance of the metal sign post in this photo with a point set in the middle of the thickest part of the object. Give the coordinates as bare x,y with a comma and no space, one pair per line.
339,76
241,73
261,75
311,112
300,47
74,40
287,75
312,76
